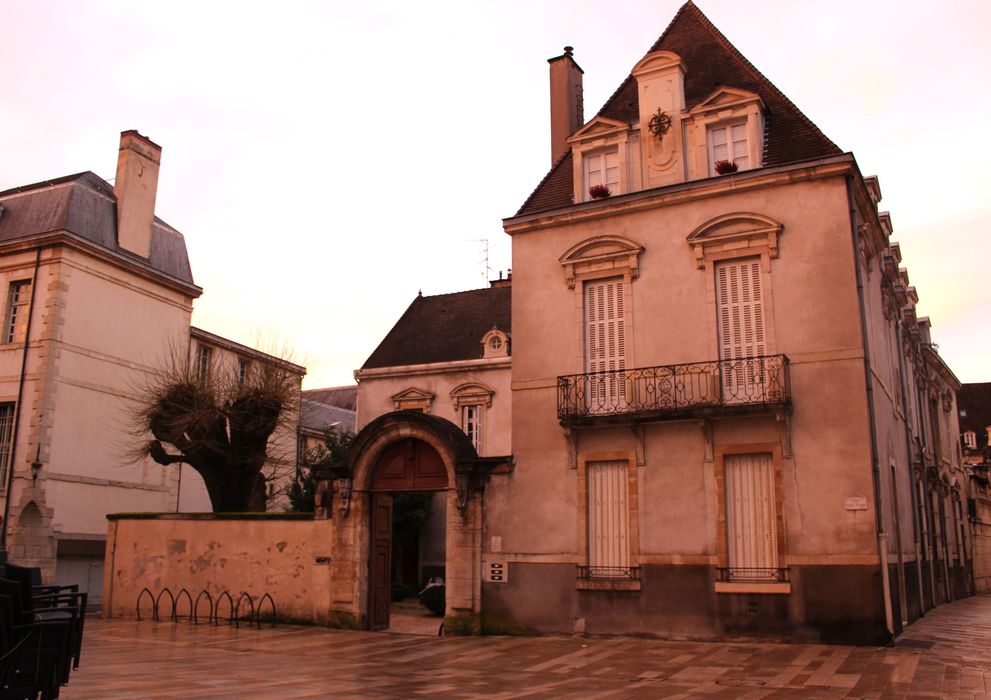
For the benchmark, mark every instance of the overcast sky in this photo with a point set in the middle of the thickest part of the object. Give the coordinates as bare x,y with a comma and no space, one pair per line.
326,161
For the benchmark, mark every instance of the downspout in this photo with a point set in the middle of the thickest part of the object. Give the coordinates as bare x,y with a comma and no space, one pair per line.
4,525
882,536
911,476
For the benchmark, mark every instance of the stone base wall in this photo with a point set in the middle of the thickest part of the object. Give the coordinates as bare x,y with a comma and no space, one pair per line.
831,604
284,555
982,555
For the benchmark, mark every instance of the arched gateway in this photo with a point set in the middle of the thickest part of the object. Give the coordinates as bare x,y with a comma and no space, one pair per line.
400,452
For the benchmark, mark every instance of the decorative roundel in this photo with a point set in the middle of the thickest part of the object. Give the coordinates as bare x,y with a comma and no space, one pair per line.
659,124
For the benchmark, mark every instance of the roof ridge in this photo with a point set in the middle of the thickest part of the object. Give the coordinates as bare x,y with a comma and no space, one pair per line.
451,294
737,55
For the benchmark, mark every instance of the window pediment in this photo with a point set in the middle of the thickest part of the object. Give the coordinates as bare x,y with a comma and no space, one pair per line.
601,254
413,399
472,394
742,231
726,97
597,128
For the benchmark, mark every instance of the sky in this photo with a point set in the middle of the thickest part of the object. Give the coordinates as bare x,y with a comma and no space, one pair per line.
327,161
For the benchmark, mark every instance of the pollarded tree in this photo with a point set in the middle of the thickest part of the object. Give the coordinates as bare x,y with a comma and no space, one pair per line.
220,421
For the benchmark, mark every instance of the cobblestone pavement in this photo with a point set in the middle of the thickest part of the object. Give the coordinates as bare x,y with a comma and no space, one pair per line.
945,655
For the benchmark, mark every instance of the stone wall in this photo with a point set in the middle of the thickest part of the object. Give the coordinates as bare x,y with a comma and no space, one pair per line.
982,545
285,555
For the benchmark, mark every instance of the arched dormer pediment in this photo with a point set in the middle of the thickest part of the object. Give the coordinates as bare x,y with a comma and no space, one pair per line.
657,61
748,233
472,394
615,254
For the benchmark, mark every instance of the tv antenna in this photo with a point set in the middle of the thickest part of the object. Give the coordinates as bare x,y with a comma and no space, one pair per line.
486,269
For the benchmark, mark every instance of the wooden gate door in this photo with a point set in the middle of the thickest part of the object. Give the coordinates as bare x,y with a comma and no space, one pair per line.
380,571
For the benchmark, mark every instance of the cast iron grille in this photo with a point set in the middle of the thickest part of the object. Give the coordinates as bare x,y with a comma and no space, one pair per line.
594,573
675,390
742,575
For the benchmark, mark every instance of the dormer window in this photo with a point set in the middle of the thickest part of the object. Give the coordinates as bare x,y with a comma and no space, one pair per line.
970,440
601,168
728,142
495,343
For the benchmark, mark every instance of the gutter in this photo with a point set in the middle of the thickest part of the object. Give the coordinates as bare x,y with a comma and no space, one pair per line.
5,525
882,536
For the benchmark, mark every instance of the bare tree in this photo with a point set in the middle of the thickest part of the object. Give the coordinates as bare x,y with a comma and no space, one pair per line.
220,421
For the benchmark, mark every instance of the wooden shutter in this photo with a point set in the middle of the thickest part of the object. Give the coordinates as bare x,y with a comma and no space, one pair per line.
605,343
608,516
740,316
750,513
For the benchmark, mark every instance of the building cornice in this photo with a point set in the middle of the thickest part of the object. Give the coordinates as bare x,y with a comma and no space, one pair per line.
432,368
680,193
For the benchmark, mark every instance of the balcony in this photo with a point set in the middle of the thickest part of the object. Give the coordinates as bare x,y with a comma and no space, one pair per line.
669,392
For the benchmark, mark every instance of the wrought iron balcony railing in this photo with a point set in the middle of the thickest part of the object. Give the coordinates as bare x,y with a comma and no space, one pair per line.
675,390
742,575
591,573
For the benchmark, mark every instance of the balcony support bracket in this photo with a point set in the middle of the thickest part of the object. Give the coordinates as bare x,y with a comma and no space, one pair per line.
640,443
784,428
706,425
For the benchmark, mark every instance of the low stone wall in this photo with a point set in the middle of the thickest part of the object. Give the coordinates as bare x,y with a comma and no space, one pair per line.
286,555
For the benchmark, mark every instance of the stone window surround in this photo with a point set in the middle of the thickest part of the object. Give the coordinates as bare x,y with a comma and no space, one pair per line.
412,399
722,545
599,135
633,512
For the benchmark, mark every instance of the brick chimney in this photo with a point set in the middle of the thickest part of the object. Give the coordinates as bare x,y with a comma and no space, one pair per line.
135,189
567,102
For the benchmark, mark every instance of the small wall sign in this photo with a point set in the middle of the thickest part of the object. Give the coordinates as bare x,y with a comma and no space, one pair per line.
856,503
496,572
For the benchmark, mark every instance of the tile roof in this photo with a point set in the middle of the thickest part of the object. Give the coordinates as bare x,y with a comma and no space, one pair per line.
711,61
317,416
84,206
341,396
975,401
444,328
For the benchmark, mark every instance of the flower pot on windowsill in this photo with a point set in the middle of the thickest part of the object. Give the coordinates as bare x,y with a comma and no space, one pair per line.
725,167
599,192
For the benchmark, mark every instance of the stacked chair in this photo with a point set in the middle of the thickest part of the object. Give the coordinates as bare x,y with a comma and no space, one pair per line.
41,634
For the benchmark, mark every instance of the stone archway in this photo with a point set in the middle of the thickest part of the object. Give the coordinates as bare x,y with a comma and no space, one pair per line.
355,482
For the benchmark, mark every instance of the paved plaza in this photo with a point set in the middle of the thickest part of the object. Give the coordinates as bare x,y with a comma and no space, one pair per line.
945,655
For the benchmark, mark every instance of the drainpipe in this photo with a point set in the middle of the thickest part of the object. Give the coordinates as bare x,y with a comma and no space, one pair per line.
882,536
916,532
4,526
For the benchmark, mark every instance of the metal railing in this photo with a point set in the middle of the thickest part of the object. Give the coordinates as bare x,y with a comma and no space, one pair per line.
675,390
744,575
593,573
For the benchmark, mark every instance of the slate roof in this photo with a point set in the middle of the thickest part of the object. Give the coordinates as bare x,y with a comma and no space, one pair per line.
345,397
975,401
444,328
314,415
84,206
711,61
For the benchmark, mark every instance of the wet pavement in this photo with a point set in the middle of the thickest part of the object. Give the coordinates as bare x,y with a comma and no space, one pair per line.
947,654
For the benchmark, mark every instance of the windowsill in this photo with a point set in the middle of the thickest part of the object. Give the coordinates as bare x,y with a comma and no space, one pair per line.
607,584
743,587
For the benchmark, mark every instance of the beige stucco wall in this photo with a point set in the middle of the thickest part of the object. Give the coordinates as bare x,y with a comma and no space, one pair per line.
810,293
290,559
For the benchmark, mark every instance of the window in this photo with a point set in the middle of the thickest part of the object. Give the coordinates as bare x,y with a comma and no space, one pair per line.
204,354
751,533
16,322
728,142
471,423
970,440
601,168
243,367
608,519
6,437
605,344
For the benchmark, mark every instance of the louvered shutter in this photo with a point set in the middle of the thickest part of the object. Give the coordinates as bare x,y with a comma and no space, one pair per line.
740,316
750,515
605,344
608,517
